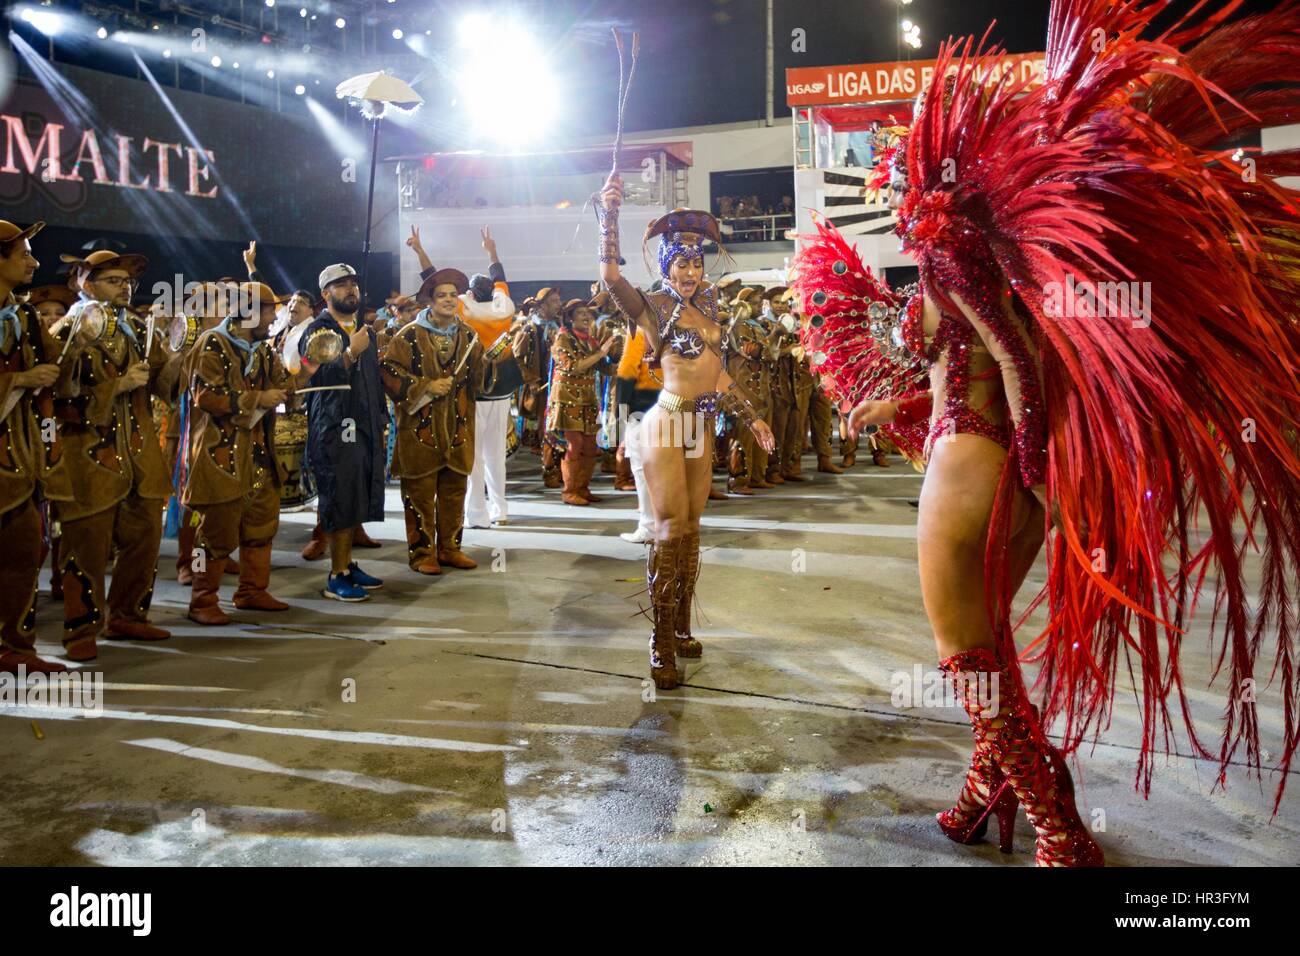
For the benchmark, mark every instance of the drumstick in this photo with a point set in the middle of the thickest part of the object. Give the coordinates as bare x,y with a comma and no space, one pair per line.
72,334
473,337
148,335
323,388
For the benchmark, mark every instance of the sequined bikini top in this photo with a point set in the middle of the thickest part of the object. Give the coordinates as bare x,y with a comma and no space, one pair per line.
687,343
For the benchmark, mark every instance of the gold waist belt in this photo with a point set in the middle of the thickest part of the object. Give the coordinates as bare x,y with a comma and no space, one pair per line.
706,404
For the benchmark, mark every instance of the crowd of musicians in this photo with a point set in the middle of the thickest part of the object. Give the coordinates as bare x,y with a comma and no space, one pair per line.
126,420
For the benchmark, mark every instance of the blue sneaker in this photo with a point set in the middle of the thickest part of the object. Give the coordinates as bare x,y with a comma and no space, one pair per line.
340,588
363,580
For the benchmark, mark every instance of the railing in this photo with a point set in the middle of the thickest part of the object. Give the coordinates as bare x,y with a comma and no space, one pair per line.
757,228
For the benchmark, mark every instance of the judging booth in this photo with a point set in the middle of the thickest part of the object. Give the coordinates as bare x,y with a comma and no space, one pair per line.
842,121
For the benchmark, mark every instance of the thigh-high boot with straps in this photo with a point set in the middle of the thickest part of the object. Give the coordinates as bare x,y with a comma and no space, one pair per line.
1034,769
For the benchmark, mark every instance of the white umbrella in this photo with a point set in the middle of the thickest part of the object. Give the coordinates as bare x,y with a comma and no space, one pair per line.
375,92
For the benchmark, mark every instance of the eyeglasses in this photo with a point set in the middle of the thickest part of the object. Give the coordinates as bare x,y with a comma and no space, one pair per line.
114,280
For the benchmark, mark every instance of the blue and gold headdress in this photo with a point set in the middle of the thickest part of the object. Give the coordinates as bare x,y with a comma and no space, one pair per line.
683,232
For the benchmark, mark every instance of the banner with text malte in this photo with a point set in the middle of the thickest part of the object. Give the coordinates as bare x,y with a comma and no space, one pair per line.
109,153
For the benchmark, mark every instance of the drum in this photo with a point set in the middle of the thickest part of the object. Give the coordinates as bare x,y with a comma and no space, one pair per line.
182,333
298,491
512,433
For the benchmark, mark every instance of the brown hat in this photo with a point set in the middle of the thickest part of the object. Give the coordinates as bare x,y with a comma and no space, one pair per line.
747,293
9,232
727,282
600,301
50,293
527,304
574,304
258,294
131,262
776,292
692,221
443,277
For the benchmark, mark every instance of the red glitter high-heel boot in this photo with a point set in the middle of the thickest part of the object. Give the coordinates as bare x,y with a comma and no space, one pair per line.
985,792
1033,768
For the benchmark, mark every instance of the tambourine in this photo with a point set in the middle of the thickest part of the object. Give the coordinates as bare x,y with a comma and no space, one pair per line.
183,332
500,346
324,346
99,317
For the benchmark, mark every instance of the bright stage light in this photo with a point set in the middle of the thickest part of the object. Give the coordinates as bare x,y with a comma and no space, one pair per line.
235,65
167,54
270,3
507,91
102,33
397,34
51,24
302,12
300,89
340,23
270,74
216,61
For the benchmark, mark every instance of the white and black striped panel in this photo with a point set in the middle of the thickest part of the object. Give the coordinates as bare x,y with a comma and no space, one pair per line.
848,210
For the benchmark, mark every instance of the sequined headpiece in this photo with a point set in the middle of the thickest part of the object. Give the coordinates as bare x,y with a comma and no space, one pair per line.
683,232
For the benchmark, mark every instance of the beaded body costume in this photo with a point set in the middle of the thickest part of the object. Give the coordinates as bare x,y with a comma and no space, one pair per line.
1136,284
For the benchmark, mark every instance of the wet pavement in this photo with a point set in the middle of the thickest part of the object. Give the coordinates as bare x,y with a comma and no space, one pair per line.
504,716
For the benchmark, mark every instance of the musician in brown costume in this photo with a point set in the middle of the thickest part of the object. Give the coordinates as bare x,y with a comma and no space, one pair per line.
32,458
115,461
676,436
572,404
747,365
236,381
432,369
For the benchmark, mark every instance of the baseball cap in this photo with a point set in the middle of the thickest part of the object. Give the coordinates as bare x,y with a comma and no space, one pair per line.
330,274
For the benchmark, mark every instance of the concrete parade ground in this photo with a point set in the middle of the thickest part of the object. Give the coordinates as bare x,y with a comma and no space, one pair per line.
503,715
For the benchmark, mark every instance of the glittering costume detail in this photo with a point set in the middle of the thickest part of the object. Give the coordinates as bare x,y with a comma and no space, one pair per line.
849,329
688,646
953,347
663,566
1129,408
1007,729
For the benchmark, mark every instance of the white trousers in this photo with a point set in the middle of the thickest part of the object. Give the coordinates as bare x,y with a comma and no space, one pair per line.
490,422
632,451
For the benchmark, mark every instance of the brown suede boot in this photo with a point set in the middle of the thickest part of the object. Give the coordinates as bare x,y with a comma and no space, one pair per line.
316,548
880,458
254,579
825,464
572,493
127,629
663,565
608,466
588,467
203,599
360,539
456,559
232,564
11,660
185,554
715,494
428,565
624,480
687,646
738,486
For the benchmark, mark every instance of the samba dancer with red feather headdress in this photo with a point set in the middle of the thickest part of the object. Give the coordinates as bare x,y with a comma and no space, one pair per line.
1029,212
